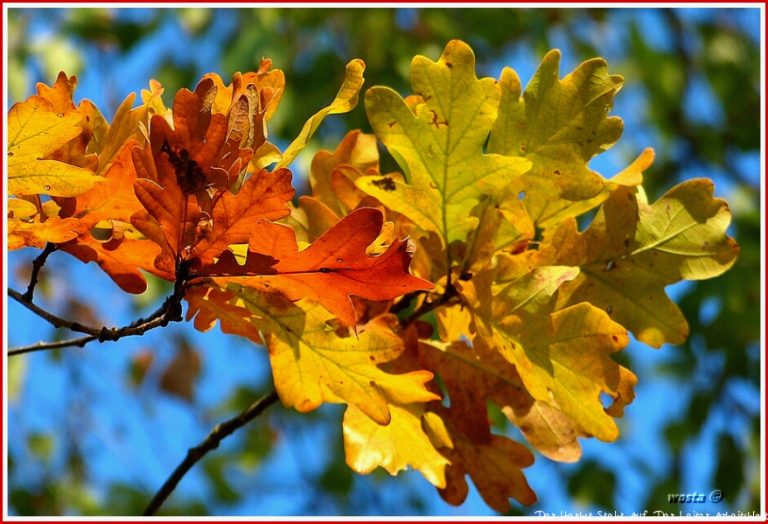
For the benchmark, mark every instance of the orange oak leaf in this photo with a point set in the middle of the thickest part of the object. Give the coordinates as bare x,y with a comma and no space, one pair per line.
250,102
332,175
263,196
119,258
200,145
170,216
267,83
208,304
495,468
114,202
114,198
335,266
186,175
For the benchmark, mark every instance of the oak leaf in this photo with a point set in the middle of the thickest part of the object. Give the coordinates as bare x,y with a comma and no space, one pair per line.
558,125
332,175
263,196
312,363
208,304
473,376
26,226
35,131
396,446
633,249
170,216
129,123
333,267
75,152
345,101
104,233
495,467
438,137
562,356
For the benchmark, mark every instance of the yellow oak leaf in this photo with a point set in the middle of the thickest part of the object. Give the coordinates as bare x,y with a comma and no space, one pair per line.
345,101
631,176
438,137
632,250
400,444
559,125
312,363
36,130
60,95
562,356
126,125
565,357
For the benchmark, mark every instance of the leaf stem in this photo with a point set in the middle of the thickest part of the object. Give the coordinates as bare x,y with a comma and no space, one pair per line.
211,442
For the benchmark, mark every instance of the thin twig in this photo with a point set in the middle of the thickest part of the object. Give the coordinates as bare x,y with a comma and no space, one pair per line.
44,346
37,265
405,302
102,334
426,307
211,442
81,342
170,311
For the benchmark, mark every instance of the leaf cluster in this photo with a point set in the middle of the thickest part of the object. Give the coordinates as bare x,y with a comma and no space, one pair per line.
416,298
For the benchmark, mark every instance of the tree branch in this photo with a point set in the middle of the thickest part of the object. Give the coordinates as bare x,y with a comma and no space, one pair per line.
44,346
37,265
405,302
211,442
426,307
170,311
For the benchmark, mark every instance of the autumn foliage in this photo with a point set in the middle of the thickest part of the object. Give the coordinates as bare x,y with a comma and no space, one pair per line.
415,298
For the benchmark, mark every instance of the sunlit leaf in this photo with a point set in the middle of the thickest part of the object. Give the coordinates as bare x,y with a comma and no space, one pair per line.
35,131
345,101
438,136
400,444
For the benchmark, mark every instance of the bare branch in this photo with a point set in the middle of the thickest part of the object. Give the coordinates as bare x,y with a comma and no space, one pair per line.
170,311
44,346
37,265
211,442
426,307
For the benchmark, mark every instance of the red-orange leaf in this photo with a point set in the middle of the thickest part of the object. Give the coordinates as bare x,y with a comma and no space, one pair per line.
114,201
171,216
199,145
264,195
119,258
209,304
335,266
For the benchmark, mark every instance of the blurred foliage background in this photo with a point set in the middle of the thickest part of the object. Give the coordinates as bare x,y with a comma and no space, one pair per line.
95,431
